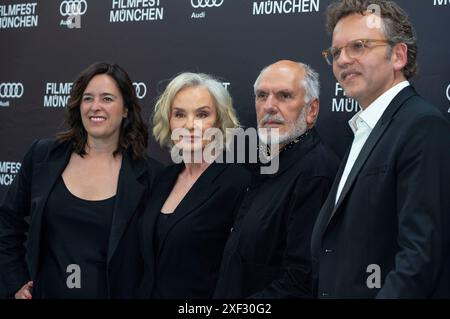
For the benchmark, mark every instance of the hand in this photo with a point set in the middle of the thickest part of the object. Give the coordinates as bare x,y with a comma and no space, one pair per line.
25,291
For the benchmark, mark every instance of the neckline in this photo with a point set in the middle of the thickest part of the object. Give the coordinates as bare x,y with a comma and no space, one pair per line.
82,199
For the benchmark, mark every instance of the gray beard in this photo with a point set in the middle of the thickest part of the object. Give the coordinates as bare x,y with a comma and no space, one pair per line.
296,129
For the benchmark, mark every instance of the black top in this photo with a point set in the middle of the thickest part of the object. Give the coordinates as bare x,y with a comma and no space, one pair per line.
74,246
162,223
160,229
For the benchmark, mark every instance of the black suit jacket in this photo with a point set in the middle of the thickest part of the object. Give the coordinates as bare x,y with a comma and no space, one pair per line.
268,252
186,262
392,218
27,196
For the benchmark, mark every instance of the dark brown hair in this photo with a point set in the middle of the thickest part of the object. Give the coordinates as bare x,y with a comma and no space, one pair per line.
396,24
133,131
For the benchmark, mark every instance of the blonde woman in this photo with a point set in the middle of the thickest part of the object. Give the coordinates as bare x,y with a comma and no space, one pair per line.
186,225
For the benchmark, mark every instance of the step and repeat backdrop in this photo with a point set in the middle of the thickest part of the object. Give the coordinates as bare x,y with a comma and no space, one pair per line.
44,46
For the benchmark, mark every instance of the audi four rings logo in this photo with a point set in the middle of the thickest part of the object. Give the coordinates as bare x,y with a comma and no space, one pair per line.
141,89
11,90
73,7
206,3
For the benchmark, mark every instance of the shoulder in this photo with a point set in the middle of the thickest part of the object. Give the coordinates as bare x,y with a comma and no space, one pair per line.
321,161
154,165
417,107
418,117
45,144
42,149
146,167
235,174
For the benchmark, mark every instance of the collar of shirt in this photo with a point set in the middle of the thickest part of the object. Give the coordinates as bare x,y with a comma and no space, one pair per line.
371,115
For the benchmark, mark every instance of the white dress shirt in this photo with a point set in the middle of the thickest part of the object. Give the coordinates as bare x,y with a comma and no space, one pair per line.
362,124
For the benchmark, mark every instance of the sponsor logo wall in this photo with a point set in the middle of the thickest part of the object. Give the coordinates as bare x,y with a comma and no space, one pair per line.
10,91
448,96
135,11
72,11
266,7
156,39
18,15
441,2
8,171
204,5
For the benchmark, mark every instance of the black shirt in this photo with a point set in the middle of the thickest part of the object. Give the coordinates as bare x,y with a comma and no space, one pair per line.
74,246
162,223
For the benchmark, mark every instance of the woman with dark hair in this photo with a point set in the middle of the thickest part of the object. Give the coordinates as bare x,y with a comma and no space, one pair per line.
82,192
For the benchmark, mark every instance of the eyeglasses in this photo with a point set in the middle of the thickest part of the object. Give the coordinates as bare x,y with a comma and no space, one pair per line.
354,49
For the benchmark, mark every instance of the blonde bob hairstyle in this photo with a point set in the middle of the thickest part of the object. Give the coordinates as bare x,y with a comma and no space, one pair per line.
226,115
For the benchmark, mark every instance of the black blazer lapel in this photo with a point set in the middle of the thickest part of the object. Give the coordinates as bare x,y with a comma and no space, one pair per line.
371,142
328,207
161,191
203,188
129,194
45,174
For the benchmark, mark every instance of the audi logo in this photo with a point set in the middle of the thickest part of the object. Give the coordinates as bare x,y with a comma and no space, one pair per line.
206,3
141,89
73,7
11,90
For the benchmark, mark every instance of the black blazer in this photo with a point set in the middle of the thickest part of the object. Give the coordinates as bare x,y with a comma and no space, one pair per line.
268,253
27,196
186,262
393,212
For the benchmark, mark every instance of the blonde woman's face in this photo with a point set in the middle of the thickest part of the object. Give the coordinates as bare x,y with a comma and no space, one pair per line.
192,112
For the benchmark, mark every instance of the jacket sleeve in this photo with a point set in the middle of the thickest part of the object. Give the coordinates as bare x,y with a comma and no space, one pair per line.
13,227
423,207
295,281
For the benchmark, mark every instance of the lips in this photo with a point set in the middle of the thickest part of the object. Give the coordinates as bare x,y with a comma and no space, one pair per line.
97,119
270,119
348,75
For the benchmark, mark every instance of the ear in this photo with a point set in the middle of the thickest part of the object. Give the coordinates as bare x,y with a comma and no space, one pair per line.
399,56
312,112
125,113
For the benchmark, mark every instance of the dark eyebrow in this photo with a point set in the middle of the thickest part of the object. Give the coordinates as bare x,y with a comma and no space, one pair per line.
102,94
106,93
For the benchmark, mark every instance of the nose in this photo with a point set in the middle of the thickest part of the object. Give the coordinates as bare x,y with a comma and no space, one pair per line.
96,104
189,123
343,58
270,104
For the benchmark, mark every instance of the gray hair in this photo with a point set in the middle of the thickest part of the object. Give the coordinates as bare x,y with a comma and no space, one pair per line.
310,82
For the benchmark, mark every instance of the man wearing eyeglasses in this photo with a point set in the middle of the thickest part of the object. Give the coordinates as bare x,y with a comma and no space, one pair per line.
384,229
